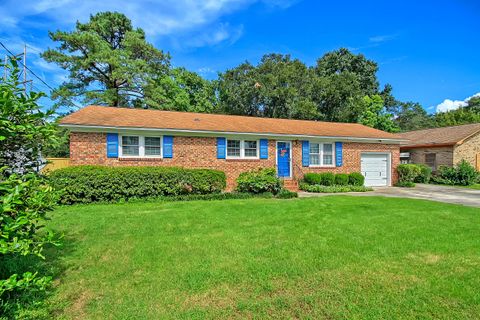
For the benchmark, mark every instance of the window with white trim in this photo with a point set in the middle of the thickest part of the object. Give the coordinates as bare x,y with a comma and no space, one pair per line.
242,149
140,146
321,154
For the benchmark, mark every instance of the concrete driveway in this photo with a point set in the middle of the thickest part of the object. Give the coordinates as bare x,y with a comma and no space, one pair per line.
456,195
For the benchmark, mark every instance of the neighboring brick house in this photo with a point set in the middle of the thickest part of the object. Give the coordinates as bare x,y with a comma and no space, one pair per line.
234,144
443,146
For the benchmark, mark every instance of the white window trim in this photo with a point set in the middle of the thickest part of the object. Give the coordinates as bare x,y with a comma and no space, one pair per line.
242,149
321,165
141,146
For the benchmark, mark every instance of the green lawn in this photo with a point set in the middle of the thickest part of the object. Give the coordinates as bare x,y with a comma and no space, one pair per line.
475,186
332,257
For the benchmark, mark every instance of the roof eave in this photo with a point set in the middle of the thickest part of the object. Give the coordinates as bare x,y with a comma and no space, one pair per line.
79,127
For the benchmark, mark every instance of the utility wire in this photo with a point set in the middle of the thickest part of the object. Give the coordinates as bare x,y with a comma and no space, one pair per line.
33,73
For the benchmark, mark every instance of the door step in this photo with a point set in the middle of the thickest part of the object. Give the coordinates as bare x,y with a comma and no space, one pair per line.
290,184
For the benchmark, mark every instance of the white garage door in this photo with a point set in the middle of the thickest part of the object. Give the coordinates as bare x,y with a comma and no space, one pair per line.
375,169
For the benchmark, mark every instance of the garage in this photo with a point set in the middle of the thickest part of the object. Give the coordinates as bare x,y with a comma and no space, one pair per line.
375,169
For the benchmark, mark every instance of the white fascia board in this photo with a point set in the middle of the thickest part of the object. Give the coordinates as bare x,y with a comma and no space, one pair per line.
205,133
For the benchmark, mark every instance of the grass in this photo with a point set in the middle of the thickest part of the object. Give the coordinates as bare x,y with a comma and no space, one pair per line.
332,257
474,186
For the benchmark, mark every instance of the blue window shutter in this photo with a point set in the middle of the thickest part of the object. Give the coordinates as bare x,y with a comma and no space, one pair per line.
112,145
305,153
263,149
338,154
221,148
167,146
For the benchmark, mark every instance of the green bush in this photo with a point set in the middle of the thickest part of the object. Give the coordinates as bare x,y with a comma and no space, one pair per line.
312,178
407,173
463,174
424,175
327,179
259,181
286,194
332,189
86,184
341,179
405,184
356,179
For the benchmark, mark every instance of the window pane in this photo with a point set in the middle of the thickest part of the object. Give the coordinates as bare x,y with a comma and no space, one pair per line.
130,141
327,148
314,159
327,159
314,148
152,141
233,148
327,154
130,150
152,151
250,148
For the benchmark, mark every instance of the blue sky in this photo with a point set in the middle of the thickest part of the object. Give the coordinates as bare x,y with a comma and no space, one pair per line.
429,51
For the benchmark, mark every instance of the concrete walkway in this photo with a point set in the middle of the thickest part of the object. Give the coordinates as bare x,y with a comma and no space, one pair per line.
456,195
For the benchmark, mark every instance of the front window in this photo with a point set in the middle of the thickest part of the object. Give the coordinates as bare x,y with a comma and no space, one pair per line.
233,148
250,149
321,154
130,146
242,149
141,146
152,146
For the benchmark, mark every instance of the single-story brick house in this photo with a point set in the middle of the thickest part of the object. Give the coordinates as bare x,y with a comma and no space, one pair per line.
234,144
442,146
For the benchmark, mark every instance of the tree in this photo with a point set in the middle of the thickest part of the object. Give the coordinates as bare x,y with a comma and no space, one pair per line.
25,128
278,87
25,197
109,62
182,90
457,117
411,116
375,115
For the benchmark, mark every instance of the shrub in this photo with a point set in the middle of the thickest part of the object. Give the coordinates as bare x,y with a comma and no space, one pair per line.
287,194
259,181
341,179
424,175
312,178
463,174
356,179
327,179
85,184
407,173
333,189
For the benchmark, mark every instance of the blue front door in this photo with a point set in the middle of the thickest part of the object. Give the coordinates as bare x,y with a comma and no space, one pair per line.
283,159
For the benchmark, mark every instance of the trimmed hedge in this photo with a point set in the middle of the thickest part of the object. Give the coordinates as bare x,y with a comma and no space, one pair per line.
259,181
286,194
341,179
333,189
356,179
86,184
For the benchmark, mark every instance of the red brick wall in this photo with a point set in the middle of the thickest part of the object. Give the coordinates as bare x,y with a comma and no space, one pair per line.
201,152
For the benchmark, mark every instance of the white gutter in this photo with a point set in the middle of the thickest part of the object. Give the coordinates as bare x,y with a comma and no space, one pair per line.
185,132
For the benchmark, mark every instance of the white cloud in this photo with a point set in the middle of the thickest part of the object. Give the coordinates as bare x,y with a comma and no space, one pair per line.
382,38
448,105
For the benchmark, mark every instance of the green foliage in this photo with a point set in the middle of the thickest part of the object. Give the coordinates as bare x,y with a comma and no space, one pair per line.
259,181
311,178
407,173
286,194
356,179
457,117
424,175
317,188
85,184
411,116
463,174
374,114
324,178
109,62
24,201
24,126
341,179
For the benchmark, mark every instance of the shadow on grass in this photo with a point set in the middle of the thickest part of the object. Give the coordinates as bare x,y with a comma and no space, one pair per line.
32,304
